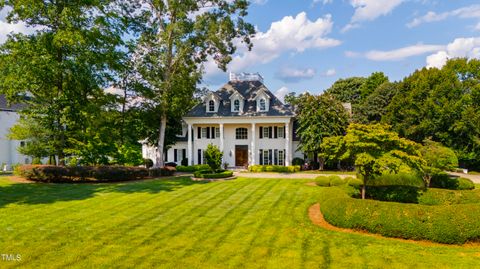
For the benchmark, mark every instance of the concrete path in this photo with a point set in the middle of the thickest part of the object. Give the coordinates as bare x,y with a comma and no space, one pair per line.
474,178
285,175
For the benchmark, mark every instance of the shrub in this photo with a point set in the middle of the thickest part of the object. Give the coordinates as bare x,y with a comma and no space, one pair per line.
449,197
161,172
209,174
274,168
298,161
192,168
354,182
148,163
336,181
213,156
398,180
444,181
403,188
326,181
444,224
322,181
184,162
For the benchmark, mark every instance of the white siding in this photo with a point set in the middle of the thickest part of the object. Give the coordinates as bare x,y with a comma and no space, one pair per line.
8,148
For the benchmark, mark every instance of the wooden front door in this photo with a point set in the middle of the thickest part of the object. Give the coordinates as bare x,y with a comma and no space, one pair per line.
241,155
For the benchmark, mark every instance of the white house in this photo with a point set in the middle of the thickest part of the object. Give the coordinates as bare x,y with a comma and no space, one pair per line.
8,148
244,119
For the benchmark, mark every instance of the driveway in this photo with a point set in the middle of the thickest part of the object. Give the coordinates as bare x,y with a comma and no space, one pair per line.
474,178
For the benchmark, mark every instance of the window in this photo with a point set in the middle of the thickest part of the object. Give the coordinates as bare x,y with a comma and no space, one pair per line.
266,155
241,133
281,157
204,132
262,106
266,132
236,105
217,132
211,106
281,132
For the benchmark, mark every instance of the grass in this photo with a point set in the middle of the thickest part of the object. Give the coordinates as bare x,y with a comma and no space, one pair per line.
179,223
327,172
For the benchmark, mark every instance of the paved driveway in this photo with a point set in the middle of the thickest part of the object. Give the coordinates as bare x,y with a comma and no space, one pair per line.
474,178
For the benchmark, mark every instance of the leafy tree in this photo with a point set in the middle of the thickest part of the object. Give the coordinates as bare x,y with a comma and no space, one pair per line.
319,117
376,150
213,156
59,70
374,106
438,158
347,90
372,83
176,38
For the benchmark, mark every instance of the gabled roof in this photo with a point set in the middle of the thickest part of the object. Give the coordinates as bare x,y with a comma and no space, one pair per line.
248,90
4,106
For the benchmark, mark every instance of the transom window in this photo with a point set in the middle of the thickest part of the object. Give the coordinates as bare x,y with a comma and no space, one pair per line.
236,105
263,105
211,106
241,133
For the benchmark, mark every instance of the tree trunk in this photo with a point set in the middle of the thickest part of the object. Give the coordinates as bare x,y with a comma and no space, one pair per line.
364,190
160,162
321,163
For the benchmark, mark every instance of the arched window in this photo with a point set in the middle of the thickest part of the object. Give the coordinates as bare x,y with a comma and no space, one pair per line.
211,106
262,105
241,133
236,105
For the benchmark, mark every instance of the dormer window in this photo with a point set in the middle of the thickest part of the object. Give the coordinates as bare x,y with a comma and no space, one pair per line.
236,105
262,106
211,106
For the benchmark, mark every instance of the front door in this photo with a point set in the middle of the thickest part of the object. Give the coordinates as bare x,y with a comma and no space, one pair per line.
241,155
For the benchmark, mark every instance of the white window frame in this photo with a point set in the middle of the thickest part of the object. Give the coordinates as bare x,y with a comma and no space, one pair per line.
266,132
281,132
263,102
235,108
281,160
243,134
210,108
204,132
217,132
266,155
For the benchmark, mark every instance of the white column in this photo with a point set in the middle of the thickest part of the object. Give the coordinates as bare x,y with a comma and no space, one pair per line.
252,146
189,147
221,137
287,143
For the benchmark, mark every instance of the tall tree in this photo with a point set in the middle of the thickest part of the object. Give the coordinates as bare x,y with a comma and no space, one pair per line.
374,106
60,69
347,90
177,37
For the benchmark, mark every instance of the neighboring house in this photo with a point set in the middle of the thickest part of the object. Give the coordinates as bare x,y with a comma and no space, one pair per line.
8,148
244,119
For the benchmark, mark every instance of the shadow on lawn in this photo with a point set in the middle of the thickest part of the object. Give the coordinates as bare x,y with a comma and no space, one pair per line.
43,193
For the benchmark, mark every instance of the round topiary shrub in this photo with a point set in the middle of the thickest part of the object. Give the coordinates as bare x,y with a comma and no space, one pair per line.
322,181
298,161
465,184
336,181
354,182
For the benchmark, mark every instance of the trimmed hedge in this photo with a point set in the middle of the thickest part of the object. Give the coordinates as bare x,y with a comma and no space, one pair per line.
65,174
445,181
192,168
209,174
449,197
327,181
450,224
354,182
274,168
403,188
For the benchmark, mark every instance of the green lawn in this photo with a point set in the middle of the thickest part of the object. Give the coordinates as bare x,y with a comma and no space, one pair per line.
327,172
244,223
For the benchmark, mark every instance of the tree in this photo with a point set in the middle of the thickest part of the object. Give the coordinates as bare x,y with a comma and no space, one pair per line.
371,84
59,71
176,38
319,117
213,156
438,158
377,150
347,90
374,106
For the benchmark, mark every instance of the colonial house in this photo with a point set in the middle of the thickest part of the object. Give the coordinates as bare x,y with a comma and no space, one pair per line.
248,123
8,148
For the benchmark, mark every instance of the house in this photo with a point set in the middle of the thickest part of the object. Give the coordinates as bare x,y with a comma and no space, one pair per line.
9,154
244,119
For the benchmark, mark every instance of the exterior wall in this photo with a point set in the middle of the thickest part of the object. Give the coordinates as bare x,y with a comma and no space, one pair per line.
179,146
8,148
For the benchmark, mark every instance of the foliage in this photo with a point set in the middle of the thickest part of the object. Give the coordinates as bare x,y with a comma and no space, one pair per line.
434,196
347,90
209,174
444,224
213,157
354,182
298,161
192,168
148,163
274,168
438,156
445,181
130,155
326,181
372,83
374,106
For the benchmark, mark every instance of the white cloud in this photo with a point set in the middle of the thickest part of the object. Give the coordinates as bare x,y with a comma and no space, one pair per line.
280,93
290,34
352,54
369,10
259,2
472,11
460,47
288,74
401,53
330,72
349,27
8,28
314,2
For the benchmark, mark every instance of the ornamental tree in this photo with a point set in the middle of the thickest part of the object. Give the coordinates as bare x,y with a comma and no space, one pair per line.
213,156
438,158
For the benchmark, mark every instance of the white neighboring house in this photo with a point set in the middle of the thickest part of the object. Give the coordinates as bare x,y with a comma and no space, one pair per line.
244,119
8,148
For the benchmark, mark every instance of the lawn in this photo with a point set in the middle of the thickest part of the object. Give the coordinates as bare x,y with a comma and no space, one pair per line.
244,223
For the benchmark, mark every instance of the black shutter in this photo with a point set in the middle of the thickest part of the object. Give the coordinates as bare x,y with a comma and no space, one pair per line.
175,155
213,132
270,133
166,156
208,132
261,132
261,156
199,132
275,132
184,154
199,161
276,156
284,160
270,156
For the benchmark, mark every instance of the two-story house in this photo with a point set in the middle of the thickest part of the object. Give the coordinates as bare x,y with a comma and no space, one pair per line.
244,119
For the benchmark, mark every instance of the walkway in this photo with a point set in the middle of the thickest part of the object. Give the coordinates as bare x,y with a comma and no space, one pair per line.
474,178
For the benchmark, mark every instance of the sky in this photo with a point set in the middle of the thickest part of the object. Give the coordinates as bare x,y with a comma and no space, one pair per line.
306,45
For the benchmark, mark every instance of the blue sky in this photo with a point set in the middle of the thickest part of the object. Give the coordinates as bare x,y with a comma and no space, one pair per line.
308,44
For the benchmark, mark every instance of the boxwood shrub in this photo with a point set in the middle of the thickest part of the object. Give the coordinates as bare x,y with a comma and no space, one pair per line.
65,174
274,168
326,181
445,181
209,174
404,188
192,168
450,224
434,196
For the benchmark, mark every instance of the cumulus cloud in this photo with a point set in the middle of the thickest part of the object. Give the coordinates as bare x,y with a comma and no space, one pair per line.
280,93
369,10
288,74
330,72
290,34
472,11
460,47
